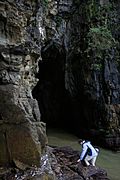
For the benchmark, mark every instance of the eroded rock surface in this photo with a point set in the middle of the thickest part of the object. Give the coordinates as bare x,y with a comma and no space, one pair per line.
64,166
22,135
77,47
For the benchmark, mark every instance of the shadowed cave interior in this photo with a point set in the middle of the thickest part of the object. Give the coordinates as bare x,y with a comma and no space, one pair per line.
58,109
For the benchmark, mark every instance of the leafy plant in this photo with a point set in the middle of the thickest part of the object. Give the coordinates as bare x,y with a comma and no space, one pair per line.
58,20
100,38
45,2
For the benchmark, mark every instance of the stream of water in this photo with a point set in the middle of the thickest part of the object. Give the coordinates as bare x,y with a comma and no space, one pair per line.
108,160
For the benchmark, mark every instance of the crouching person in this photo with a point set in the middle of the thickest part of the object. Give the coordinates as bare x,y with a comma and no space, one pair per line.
89,154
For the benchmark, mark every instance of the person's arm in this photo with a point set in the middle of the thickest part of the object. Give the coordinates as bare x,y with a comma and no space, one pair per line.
84,150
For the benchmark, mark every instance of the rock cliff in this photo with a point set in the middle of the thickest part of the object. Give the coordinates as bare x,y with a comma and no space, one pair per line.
59,62
22,134
79,71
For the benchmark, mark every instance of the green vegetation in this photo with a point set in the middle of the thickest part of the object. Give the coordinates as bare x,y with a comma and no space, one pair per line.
100,41
45,2
100,34
58,20
100,38
98,14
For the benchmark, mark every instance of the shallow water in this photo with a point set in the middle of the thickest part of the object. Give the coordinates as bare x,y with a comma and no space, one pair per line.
108,160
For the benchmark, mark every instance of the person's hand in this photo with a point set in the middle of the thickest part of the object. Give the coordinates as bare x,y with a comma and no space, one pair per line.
78,160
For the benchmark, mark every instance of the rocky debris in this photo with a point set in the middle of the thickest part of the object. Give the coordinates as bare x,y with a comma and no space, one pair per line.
59,163
70,169
32,173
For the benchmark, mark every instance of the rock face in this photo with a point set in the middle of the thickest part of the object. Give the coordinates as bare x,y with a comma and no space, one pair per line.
92,73
68,168
22,135
77,47
64,166
79,74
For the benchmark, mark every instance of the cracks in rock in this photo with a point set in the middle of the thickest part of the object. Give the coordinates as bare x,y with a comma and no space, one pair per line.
7,147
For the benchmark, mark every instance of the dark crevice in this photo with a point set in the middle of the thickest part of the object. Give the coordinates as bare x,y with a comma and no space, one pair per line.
7,149
53,99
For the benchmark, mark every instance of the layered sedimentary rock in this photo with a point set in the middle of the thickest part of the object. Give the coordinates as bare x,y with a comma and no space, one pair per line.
77,46
92,74
63,161
79,71
22,135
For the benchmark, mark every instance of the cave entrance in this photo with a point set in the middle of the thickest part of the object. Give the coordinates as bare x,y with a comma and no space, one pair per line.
50,91
58,109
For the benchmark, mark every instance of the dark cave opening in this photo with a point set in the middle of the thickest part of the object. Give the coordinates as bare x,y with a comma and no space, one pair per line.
58,109
53,100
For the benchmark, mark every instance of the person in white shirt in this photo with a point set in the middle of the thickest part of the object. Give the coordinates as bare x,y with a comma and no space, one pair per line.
89,154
